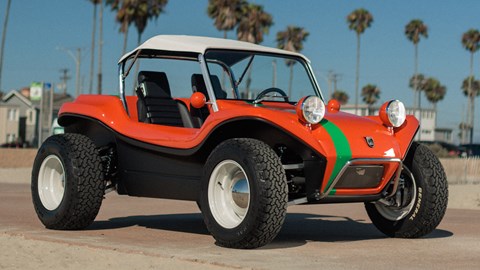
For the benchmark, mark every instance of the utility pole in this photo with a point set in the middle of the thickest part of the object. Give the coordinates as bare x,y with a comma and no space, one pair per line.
77,60
4,36
334,78
100,44
64,78
92,50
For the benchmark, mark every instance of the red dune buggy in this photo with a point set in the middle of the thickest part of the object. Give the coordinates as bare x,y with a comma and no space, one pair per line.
244,131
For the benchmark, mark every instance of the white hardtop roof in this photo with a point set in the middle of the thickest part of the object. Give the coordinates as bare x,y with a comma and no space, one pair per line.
196,44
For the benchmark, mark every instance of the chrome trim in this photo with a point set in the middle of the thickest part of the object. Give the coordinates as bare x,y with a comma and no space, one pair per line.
396,180
293,166
366,160
297,201
121,78
208,83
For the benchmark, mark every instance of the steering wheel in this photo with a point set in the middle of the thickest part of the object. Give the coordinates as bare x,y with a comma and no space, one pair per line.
270,90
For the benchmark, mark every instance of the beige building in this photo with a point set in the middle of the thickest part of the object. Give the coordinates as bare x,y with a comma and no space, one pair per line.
24,115
9,115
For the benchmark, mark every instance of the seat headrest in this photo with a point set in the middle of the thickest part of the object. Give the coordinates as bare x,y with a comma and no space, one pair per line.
154,84
198,85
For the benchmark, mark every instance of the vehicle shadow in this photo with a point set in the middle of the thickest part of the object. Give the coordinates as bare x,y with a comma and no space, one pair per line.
298,229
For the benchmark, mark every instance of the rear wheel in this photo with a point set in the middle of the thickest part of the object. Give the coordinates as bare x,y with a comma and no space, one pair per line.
420,201
244,194
67,182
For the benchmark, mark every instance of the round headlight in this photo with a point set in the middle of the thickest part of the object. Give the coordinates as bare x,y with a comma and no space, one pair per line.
310,110
393,113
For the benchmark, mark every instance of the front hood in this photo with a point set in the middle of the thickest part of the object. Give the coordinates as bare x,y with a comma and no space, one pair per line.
358,137
350,135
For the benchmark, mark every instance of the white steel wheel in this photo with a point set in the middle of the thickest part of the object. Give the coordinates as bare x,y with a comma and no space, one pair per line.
404,199
228,194
51,182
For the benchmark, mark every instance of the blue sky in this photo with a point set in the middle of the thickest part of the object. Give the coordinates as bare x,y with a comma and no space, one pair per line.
37,28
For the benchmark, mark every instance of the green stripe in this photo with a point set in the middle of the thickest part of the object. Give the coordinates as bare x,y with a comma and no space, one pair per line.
342,148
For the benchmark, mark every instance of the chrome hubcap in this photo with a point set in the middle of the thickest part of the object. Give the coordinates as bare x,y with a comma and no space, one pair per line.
51,182
401,204
228,194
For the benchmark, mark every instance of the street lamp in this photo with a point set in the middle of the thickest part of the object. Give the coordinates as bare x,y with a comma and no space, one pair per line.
76,59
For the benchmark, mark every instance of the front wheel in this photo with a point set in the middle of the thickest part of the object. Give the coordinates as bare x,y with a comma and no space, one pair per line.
67,182
421,199
244,194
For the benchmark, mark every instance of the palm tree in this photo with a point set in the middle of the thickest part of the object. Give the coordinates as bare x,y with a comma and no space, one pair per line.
145,10
471,87
124,16
341,96
417,80
414,30
4,36
471,42
291,40
359,20
226,13
370,94
92,50
255,22
434,92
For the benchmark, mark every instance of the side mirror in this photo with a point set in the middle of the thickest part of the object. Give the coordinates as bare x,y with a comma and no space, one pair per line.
198,100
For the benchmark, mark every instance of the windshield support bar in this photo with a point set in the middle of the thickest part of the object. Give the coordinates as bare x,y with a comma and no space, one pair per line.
121,78
208,82
245,71
131,64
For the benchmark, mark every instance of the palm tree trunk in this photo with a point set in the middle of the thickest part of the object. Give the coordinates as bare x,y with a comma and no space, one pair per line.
4,36
415,80
92,50
125,35
248,82
417,94
290,82
100,45
137,65
357,75
470,99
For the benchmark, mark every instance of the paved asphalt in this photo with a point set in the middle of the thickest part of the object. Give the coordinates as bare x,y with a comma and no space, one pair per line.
313,237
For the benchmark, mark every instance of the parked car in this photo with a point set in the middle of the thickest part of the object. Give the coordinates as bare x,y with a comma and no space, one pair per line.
451,149
244,131
472,150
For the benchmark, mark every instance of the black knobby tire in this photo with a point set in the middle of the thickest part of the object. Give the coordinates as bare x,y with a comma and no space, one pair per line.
84,184
431,197
268,194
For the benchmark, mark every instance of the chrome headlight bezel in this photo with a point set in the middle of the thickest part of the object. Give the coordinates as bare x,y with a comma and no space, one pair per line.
310,110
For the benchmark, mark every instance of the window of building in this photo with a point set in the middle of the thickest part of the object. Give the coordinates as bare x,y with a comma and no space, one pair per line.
12,115
10,137
31,115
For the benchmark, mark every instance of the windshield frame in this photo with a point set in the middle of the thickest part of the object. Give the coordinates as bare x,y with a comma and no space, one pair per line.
306,65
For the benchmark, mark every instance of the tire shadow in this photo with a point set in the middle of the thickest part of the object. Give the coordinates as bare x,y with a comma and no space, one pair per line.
298,229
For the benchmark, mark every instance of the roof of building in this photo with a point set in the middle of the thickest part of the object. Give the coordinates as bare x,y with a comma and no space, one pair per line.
17,94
